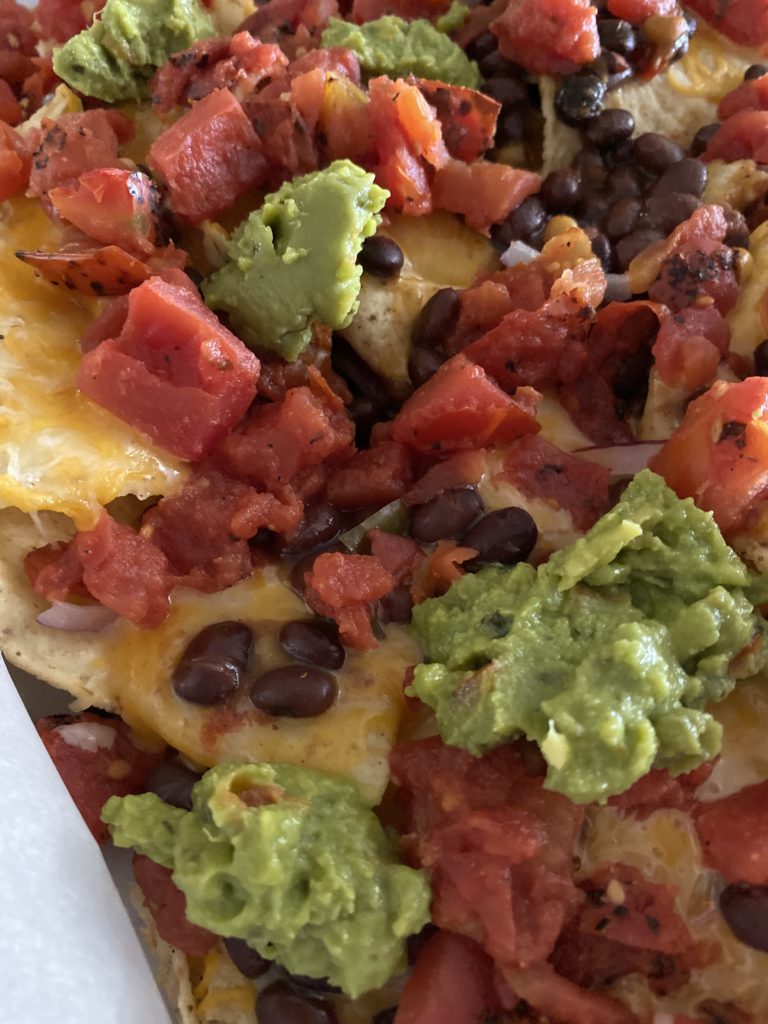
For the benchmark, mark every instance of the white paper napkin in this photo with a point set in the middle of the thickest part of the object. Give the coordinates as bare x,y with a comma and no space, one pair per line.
68,951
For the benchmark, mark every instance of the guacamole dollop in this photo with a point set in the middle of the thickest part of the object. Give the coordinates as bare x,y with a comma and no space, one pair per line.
290,859
115,57
607,656
294,260
394,47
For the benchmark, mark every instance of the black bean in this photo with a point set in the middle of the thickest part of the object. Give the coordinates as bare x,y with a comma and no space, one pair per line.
246,959
381,256
436,319
385,1016
209,670
321,524
738,232
511,126
625,181
482,46
365,413
580,98
304,981
591,167
688,175
621,217
522,224
602,248
594,209
629,247
172,781
666,210
446,516
617,35
507,536
505,90
761,359
423,363
655,152
494,65
280,1003
745,910
313,641
631,378
561,190
357,373
618,70
397,605
609,128
755,71
702,137
295,691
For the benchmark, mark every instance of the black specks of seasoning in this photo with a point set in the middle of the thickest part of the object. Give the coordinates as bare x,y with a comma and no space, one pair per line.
734,431
653,923
550,469
465,108
620,910
602,924
596,897
98,288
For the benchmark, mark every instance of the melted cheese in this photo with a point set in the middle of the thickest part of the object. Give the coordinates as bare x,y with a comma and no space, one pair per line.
749,317
353,738
58,451
712,67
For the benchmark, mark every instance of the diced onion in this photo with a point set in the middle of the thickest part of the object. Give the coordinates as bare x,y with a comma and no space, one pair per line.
518,252
88,736
622,459
76,618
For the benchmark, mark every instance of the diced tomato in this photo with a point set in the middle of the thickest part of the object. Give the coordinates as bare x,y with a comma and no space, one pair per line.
487,302
450,971
460,470
168,906
399,555
441,568
743,21
483,193
398,145
744,136
689,345
345,122
750,95
548,36
540,470
10,111
280,439
61,19
719,454
109,270
733,833
460,407
637,11
498,847
369,10
560,1001
275,20
74,143
209,158
15,162
658,789
344,587
699,269
287,144
107,324
468,118
112,205
96,758
373,477
174,372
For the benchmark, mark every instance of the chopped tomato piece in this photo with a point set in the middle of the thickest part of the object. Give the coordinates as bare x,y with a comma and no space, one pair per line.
689,345
486,303
96,758
743,136
719,454
174,372
277,20
548,36
733,833
637,11
345,122
280,439
209,157
441,568
459,470
540,470
74,143
168,906
107,324
400,135
399,555
61,19
468,118
483,193
106,271
743,21
344,587
10,111
560,1001
15,162
498,847
750,95
373,477
112,205
658,789
450,971
460,407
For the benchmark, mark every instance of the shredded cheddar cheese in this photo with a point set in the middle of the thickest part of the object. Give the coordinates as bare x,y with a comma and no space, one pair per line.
709,69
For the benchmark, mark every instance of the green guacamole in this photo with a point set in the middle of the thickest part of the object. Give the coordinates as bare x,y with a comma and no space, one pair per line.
397,48
607,656
291,860
115,57
295,260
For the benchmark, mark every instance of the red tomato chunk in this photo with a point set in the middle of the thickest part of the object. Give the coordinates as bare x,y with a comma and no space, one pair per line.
168,906
733,833
74,143
344,587
548,36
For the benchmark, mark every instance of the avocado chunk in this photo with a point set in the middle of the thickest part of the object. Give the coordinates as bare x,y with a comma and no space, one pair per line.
290,859
116,56
397,48
607,656
294,260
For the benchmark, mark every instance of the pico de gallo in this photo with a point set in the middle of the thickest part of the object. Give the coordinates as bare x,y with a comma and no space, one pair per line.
543,478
